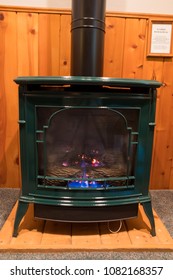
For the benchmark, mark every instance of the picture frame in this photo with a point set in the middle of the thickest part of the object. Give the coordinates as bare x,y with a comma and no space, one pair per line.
160,41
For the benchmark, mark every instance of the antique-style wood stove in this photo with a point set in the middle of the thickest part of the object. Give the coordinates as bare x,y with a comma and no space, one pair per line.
86,141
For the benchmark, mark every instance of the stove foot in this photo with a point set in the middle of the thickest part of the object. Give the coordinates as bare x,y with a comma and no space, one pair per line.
21,210
149,213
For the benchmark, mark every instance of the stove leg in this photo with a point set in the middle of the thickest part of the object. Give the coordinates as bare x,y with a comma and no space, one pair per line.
149,212
21,210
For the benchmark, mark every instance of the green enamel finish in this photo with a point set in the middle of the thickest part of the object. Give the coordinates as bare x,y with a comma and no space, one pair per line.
123,93
75,80
149,212
21,211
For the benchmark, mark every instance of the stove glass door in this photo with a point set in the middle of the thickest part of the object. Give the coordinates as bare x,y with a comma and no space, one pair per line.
86,148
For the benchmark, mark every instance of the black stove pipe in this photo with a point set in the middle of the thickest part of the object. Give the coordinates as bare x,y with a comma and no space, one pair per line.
87,37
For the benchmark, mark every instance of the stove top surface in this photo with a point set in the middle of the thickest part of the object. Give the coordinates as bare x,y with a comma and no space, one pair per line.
85,80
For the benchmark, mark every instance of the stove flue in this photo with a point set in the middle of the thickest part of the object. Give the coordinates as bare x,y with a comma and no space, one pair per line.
87,37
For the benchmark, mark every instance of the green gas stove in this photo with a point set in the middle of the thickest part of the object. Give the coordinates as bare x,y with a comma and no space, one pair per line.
86,148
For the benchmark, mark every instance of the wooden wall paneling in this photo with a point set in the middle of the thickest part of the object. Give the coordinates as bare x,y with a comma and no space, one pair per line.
152,67
159,166
171,179
48,44
162,152
171,138
114,45
162,161
135,35
3,164
153,70
65,45
9,150
27,44
171,173
166,96
164,135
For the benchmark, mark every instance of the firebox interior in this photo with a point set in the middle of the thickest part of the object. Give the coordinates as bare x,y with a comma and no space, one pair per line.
86,147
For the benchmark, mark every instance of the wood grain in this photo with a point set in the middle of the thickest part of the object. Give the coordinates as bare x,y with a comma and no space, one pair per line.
49,44
27,44
135,36
65,43
9,150
114,44
37,42
37,236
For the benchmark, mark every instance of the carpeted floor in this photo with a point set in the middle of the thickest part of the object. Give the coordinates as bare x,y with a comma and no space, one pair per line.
162,203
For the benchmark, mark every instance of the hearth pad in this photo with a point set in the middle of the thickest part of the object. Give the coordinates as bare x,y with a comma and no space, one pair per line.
50,236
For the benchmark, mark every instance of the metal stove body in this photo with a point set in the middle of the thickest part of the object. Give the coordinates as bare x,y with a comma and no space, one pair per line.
86,147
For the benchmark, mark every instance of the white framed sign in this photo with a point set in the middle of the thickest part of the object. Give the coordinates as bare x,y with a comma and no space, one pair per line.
160,38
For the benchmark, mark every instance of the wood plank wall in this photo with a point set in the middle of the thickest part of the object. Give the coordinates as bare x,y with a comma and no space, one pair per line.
37,42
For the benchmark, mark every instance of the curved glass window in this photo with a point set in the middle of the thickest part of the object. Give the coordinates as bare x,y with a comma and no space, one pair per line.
86,147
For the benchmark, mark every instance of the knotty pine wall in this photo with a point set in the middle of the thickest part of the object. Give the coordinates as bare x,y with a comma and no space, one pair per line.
37,42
